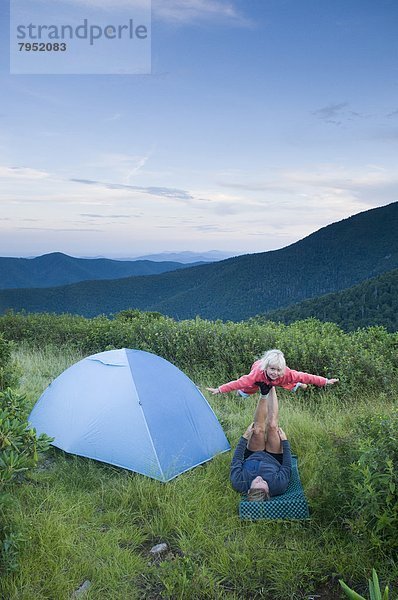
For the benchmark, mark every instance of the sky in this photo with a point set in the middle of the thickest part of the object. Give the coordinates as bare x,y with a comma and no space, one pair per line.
259,122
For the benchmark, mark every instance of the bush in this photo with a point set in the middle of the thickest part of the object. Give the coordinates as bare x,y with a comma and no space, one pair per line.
365,361
19,448
372,497
7,369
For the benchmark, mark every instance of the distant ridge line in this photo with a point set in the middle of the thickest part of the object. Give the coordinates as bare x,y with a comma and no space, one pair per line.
332,259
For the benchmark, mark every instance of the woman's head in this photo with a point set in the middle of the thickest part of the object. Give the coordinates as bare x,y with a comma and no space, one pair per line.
259,490
273,364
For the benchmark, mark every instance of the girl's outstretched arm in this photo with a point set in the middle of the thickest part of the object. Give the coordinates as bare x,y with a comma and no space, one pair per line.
291,376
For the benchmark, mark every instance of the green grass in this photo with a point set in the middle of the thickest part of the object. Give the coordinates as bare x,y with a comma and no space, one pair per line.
84,520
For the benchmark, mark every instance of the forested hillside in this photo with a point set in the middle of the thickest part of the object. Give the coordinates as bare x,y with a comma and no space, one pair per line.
374,302
60,269
331,259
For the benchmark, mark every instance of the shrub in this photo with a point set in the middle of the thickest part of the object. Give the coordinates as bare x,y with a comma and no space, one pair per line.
19,448
7,369
365,361
372,499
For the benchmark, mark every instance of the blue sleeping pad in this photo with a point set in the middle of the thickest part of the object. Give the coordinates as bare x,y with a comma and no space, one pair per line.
291,505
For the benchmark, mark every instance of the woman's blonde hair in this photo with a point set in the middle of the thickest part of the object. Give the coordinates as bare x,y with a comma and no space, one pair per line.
273,357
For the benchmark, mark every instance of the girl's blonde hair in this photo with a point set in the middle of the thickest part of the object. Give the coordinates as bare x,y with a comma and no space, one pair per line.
275,358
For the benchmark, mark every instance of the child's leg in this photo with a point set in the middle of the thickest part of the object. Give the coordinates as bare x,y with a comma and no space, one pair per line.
257,439
273,441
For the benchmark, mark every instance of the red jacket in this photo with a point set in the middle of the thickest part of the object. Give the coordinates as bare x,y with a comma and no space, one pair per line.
246,383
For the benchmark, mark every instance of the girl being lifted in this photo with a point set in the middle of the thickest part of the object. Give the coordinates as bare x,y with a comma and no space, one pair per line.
271,369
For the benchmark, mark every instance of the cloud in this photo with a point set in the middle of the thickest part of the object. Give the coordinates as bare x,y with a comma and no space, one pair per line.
86,181
330,190
330,113
137,167
108,4
58,190
254,186
384,134
210,228
73,230
114,117
333,177
394,113
336,113
188,11
125,166
276,209
178,12
339,178
22,173
166,192
97,216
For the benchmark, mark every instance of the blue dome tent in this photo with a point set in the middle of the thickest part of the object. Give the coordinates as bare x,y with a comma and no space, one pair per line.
131,409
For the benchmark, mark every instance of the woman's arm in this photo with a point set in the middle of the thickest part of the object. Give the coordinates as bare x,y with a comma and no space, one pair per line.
237,477
281,480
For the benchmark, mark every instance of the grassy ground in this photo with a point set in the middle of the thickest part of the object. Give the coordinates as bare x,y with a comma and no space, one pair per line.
84,520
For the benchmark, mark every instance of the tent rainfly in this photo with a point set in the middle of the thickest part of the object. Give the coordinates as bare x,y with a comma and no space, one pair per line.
131,409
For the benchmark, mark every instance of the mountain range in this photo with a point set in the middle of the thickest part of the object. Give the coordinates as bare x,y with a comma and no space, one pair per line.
180,256
189,257
60,269
332,259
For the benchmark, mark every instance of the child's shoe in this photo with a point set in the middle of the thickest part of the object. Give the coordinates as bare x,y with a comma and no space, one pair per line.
298,385
242,394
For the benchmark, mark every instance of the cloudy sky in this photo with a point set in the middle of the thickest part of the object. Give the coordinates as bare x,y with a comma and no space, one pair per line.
261,121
